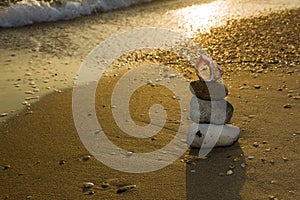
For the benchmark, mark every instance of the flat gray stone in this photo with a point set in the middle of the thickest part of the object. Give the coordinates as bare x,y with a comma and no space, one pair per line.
213,112
225,135
208,90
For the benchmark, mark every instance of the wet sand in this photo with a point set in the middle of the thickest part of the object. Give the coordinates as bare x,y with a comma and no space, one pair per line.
42,155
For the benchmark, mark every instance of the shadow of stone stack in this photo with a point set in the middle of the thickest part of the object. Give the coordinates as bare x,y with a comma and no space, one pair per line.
211,113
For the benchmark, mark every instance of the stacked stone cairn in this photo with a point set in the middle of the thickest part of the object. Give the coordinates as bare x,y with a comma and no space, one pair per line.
209,110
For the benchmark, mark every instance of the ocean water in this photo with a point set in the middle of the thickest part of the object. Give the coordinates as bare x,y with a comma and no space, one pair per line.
32,11
192,15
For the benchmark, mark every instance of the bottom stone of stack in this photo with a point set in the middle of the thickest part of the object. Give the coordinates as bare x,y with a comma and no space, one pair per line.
225,135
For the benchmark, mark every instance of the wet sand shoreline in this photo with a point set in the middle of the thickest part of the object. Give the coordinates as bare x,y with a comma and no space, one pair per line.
42,155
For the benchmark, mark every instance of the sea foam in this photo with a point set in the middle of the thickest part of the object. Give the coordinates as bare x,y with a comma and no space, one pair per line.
32,11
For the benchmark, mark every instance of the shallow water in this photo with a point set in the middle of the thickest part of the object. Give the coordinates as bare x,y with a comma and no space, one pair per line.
52,52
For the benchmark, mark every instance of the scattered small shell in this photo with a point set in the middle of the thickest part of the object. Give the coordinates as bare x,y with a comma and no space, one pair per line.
193,170
36,90
3,114
17,85
125,188
45,81
28,74
88,185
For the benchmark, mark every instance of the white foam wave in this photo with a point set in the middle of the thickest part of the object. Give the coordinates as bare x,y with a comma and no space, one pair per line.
32,11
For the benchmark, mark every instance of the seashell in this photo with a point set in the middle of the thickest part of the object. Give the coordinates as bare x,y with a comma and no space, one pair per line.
207,69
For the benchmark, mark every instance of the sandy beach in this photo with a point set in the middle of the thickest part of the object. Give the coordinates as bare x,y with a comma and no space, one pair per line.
42,156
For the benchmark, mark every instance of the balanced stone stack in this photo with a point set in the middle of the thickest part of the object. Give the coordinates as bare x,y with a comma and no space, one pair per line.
209,109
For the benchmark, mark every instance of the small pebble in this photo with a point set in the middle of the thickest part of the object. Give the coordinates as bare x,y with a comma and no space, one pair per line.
88,185
172,75
287,106
129,154
29,92
61,162
267,150
105,185
273,197
250,116
255,144
229,172
291,192
3,114
285,159
236,159
296,97
250,157
31,83
125,188
257,86
86,158
6,167
243,165
193,171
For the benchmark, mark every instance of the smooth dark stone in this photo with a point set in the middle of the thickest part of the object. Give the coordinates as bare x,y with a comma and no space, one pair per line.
208,90
214,112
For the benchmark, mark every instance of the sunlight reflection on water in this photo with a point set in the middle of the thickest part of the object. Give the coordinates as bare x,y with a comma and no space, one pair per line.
200,18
